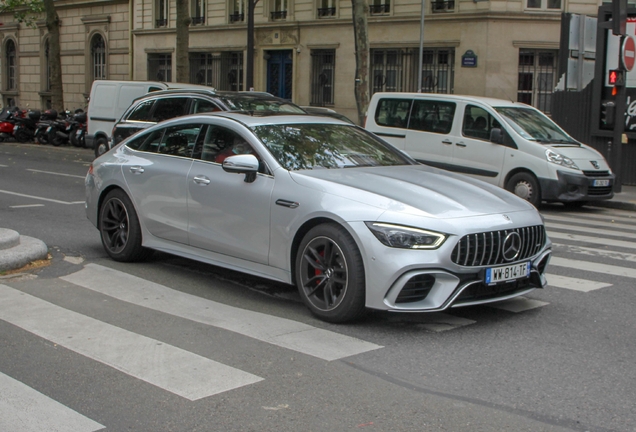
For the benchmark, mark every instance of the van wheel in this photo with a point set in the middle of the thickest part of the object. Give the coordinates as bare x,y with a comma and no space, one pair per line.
525,186
101,146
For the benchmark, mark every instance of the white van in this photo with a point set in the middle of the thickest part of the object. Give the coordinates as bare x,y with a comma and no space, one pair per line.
510,144
108,101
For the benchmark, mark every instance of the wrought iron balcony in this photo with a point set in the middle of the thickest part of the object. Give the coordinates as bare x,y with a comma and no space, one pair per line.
278,15
443,5
380,9
326,12
237,17
162,22
198,20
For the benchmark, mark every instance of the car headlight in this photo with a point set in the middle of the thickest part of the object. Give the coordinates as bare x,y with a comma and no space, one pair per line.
559,159
398,236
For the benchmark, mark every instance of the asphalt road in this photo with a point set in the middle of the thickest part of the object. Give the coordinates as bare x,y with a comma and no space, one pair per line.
252,358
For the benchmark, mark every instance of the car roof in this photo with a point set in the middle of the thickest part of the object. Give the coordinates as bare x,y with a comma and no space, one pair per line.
261,118
494,102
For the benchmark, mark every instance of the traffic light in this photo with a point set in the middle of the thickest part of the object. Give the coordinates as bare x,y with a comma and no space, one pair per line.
616,77
608,111
619,17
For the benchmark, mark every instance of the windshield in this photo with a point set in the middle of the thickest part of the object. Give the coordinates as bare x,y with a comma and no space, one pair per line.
535,126
321,145
253,103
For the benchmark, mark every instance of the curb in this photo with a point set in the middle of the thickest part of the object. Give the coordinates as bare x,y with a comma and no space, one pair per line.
17,251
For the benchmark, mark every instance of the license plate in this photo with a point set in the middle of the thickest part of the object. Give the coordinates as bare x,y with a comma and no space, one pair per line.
507,273
601,183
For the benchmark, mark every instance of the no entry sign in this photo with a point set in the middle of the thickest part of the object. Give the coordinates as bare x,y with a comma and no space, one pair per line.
628,53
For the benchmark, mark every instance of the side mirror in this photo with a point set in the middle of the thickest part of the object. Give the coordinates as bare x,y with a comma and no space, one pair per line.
496,136
242,164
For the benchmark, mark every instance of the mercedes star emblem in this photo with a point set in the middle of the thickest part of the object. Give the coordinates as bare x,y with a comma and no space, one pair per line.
511,246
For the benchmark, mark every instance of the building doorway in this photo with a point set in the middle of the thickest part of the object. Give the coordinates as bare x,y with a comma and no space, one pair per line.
279,73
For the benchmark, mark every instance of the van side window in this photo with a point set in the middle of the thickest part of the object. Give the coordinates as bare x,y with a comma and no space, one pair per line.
432,116
478,123
142,112
393,112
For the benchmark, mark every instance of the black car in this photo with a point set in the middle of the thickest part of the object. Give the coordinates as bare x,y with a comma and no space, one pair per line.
163,105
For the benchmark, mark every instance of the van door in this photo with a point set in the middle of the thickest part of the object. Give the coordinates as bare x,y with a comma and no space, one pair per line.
428,138
473,152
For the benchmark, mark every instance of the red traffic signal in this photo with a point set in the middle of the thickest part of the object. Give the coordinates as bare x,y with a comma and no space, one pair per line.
616,77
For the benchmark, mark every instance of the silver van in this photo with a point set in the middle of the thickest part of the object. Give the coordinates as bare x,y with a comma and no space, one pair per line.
509,144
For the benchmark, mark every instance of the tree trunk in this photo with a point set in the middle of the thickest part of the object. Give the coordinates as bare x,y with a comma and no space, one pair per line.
183,41
55,61
361,35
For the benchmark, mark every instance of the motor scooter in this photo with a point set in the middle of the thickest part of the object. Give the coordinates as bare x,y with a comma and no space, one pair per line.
25,126
7,123
59,131
78,129
46,118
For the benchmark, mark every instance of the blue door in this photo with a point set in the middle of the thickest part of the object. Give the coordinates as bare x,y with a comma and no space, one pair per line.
279,73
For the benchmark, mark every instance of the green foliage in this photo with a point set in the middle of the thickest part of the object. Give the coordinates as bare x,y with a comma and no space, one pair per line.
24,11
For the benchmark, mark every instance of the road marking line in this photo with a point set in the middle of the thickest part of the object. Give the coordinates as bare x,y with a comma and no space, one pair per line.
23,409
611,225
26,206
41,198
55,173
574,283
615,216
596,252
4,166
518,304
593,240
589,230
293,335
173,369
593,267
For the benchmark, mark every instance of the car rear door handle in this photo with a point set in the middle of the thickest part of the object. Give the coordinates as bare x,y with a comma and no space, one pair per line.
136,169
447,142
202,180
460,144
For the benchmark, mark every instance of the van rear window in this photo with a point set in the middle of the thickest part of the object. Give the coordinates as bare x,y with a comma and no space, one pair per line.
393,112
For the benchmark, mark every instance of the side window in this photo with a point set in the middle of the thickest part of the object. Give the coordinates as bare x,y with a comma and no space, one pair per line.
142,112
148,142
393,112
179,140
478,123
220,143
169,108
432,116
203,106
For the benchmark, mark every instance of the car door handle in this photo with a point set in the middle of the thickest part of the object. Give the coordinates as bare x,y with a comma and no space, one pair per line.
202,180
447,142
460,144
136,169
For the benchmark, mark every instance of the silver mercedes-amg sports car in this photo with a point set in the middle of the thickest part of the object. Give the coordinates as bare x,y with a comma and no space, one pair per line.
353,222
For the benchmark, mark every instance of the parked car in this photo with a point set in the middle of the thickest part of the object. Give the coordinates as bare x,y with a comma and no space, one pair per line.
353,222
162,105
509,144
107,102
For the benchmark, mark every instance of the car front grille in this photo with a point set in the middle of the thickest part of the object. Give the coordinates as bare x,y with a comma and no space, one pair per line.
486,249
596,174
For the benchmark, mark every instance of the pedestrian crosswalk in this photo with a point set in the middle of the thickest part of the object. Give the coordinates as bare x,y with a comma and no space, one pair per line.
591,250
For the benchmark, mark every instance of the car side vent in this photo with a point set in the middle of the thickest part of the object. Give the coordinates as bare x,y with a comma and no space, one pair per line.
487,248
416,289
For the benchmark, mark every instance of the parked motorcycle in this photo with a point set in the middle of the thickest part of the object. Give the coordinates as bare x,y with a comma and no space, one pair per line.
78,128
7,123
46,119
26,125
59,131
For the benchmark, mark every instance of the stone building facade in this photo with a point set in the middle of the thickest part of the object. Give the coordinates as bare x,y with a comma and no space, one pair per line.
304,49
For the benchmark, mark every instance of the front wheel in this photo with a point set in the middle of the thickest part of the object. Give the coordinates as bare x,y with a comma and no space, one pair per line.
526,186
101,146
120,229
330,274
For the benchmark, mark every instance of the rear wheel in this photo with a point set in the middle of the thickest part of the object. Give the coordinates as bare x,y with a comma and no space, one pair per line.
330,274
22,136
101,146
526,186
120,229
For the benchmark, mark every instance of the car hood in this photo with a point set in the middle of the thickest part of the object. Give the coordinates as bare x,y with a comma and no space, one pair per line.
435,192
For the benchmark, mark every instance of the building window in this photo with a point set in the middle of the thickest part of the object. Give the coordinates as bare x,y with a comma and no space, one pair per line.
323,66
197,9
223,71
537,78
237,11
397,70
549,5
98,57
279,10
439,6
160,67
11,65
326,8
379,7
161,13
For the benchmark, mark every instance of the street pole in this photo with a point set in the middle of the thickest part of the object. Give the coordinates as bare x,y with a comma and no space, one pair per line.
249,64
421,58
619,123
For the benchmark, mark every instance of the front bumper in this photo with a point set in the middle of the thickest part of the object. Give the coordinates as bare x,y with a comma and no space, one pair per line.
570,187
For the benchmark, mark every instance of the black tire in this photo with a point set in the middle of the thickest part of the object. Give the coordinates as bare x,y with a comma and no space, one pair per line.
119,228
54,139
526,186
101,146
22,136
42,138
330,274
73,138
